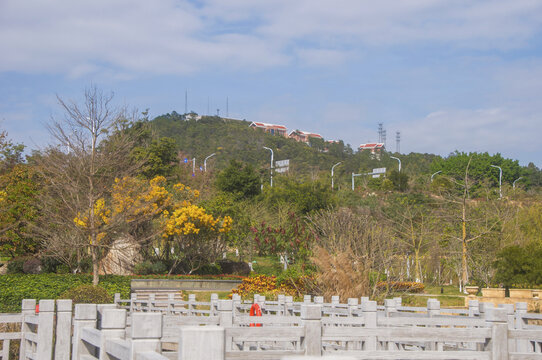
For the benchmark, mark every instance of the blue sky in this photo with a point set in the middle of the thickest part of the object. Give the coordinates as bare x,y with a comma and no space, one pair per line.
449,75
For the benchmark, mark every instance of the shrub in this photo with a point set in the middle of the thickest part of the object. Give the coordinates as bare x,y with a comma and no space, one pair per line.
209,269
32,266
87,294
159,268
16,287
268,286
144,268
149,268
407,286
234,267
15,266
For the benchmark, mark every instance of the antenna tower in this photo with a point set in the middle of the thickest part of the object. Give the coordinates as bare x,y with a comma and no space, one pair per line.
380,131
398,142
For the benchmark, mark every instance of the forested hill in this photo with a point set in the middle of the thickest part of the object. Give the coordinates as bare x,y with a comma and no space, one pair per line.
234,139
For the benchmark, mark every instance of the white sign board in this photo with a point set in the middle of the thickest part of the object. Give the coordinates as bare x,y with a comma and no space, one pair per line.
282,166
379,171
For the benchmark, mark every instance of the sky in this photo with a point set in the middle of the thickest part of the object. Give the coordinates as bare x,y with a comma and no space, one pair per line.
449,75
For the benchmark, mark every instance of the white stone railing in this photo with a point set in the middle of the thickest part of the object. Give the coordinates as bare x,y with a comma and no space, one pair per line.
220,329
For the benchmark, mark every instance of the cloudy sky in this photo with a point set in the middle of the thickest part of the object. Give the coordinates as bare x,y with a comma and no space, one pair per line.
449,75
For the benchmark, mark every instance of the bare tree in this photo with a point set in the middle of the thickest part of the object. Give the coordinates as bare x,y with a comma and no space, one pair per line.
79,172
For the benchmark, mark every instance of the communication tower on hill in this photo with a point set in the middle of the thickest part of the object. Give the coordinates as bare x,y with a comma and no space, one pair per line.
398,142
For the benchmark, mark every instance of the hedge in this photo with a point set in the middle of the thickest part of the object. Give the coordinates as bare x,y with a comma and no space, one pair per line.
16,287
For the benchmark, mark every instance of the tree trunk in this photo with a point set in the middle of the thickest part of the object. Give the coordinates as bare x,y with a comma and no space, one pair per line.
464,268
95,265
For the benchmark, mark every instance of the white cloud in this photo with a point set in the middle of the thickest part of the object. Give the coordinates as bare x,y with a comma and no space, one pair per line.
178,37
508,131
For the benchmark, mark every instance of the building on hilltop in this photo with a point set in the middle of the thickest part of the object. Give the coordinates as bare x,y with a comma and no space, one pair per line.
270,128
374,147
303,136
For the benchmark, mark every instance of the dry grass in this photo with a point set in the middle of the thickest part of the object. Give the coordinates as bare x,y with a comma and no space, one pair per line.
340,274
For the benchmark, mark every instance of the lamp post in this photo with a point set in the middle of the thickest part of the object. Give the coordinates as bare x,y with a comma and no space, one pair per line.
205,161
514,183
393,157
500,179
271,164
333,167
438,172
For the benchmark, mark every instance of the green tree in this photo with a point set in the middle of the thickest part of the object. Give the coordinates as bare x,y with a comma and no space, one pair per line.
239,179
159,157
20,187
305,197
399,180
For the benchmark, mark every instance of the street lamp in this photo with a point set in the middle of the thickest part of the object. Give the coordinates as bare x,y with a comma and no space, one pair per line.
333,167
500,179
393,157
271,164
514,183
205,161
435,174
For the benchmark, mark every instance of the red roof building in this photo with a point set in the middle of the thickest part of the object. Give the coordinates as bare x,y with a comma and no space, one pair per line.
270,128
371,146
303,136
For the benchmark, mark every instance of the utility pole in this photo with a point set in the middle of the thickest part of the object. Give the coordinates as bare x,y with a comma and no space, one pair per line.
500,179
271,164
205,162
393,157
333,167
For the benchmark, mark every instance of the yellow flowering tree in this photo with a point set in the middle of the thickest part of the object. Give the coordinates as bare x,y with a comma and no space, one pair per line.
133,202
197,237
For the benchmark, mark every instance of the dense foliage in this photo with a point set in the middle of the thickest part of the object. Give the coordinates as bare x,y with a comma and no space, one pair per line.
143,183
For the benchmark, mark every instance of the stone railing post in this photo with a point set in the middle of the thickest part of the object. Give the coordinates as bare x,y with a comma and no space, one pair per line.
474,308
236,301
334,302
214,302
433,307
151,302
85,316
370,317
288,305
46,318
100,310
311,317
307,299
261,302
202,343
390,307
319,300
225,316
28,307
521,309
398,302
510,320
225,313
484,308
133,298
352,306
191,304
63,329
280,304
497,319
146,332
113,326
116,299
